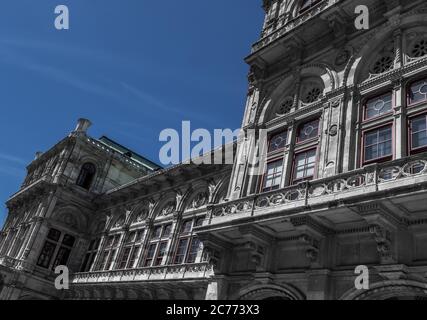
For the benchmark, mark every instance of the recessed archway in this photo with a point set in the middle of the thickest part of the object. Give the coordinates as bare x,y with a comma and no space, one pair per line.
390,290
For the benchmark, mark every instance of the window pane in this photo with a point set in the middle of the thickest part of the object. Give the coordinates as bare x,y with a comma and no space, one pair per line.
130,238
186,226
124,259
305,164
384,134
167,231
133,257
419,132
273,177
308,131
116,240
371,138
103,260
418,92
157,232
419,139
371,153
150,255
61,257
194,248
180,251
68,240
378,144
110,260
419,124
278,141
379,106
140,236
109,242
161,254
54,235
46,254
85,262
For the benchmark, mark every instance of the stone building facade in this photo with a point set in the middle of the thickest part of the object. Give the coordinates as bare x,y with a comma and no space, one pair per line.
344,181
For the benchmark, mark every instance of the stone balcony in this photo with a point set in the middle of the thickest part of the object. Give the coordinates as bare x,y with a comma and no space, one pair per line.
173,272
13,263
389,178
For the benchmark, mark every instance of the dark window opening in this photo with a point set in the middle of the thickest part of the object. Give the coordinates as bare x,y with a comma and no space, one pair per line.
86,176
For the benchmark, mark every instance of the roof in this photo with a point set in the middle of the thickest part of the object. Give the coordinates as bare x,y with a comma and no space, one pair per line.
129,153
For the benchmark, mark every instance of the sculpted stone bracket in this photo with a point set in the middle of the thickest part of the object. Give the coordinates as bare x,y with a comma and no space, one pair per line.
374,212
256,242
312,233
338,22
213,250
382,225
257,253
308,224
383,238
312,247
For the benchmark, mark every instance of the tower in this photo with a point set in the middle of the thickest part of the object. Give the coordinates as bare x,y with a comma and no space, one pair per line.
338,116
51,216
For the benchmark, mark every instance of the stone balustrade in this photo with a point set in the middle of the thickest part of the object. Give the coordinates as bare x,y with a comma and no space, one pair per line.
369,179
172,272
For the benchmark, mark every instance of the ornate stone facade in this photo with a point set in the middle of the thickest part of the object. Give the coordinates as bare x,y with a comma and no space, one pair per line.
345,182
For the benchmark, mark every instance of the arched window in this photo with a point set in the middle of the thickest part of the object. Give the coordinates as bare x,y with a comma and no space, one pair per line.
307,4
87,173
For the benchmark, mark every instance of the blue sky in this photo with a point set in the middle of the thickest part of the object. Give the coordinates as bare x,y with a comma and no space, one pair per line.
133,67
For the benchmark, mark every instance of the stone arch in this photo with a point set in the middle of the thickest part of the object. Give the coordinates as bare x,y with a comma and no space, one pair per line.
165,206
327,74
221,190
163,294
389,289
373,42
270,292
27,296
180,294
284,87
71,217
132,294
119,221
196,197
140,213
81,175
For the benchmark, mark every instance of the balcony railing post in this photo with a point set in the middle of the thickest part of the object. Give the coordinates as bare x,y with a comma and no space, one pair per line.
254,200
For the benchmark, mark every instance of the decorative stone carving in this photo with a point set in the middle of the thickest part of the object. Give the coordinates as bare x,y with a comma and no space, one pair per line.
168,209
383,239
120,221
342,58
333,130
200,200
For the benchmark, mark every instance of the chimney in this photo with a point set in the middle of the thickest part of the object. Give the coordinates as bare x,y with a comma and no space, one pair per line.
82,125
38,155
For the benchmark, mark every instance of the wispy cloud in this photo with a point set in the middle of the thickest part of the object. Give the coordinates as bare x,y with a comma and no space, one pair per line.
11,171
19,60
150,100
12,158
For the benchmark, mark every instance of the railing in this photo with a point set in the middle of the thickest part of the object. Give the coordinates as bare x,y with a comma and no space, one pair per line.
175,272
372,178
13,263
292,24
